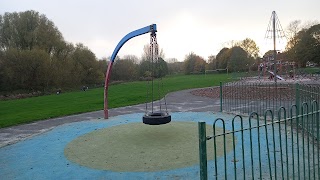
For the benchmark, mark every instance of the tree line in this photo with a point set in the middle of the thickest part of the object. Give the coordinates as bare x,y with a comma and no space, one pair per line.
303,43
35,57
240,57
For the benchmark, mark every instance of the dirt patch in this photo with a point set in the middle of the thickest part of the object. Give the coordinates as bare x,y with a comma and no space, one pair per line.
20,95
247,92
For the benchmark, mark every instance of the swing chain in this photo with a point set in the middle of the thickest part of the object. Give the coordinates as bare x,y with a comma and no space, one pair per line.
155,68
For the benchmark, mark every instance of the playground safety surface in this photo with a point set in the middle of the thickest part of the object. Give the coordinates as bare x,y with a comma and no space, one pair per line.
119,148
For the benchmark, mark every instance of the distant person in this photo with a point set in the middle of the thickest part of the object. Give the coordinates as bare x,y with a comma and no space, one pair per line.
291,74
84,88
58,91
261,67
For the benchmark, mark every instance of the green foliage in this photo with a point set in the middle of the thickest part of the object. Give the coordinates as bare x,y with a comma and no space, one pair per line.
159,68
212,63
144,66
304,45
28,69
147,74
222,58
124,70
20,111
28,30
235,59
194,64
239,60
175,67
308,48
35,57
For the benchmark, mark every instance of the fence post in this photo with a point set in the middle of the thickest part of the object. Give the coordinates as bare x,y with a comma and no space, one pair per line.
220,96
298,98
203,150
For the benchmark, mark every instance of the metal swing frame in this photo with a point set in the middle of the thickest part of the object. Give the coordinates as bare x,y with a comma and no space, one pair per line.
152,118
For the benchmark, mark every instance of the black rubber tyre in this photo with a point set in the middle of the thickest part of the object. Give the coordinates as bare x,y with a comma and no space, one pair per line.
156,118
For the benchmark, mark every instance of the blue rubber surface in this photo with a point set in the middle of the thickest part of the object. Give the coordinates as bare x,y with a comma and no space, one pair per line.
42,156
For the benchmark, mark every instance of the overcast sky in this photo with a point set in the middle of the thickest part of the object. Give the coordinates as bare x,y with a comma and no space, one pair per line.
184,26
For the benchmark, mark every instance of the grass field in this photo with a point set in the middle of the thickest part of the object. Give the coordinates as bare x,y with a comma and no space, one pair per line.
311,70
21,111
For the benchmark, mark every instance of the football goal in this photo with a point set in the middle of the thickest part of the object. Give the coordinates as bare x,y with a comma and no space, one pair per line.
216,71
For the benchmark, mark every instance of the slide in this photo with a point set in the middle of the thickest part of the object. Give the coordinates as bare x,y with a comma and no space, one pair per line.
279,77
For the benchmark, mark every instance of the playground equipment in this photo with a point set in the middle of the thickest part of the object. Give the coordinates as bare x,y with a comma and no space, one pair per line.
286,70
274,31
277,76
151,116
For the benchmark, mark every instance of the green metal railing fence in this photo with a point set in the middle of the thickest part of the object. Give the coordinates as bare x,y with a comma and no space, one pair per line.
278,148
243,97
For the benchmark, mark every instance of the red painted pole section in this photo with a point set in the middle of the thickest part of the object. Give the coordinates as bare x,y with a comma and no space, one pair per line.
106,85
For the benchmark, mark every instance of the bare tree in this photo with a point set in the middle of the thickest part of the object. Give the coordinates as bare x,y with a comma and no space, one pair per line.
146,53
291,32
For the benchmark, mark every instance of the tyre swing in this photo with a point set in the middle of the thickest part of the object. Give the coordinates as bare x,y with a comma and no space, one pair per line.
156,112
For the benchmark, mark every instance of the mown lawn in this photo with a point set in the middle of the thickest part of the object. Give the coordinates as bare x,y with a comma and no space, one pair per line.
20,111
311,70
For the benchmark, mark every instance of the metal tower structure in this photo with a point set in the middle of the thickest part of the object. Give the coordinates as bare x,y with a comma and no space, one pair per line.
274,31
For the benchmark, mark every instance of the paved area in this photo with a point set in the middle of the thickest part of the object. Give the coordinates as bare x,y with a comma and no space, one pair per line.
181,101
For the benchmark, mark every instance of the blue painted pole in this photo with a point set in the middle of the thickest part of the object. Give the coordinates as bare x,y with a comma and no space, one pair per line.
152,28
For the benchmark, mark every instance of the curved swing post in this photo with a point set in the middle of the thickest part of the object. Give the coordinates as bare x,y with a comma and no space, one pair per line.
152,28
